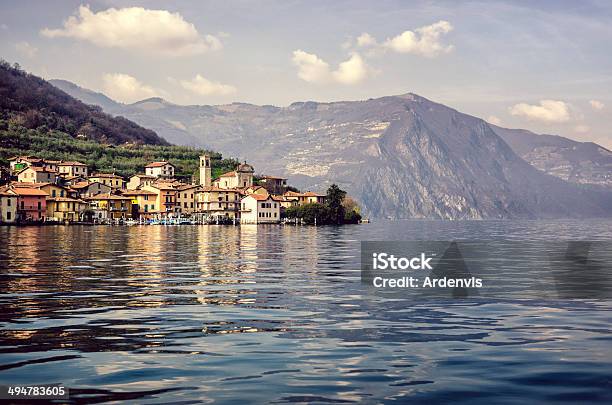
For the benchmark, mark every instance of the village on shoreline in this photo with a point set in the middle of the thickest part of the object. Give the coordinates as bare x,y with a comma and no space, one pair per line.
65,192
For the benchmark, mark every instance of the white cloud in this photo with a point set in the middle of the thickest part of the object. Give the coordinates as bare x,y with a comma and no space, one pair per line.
126,88
313,69
597,105
582,129
494,120
26,49
547,111
366,39
136,28
351,71
202,86
423,41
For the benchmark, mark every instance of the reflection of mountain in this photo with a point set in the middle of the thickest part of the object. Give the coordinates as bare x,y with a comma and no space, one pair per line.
401,156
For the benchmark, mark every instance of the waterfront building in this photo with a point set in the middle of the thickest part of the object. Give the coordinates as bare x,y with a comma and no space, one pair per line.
161,169
65,209
72,168
31,203
242,177
112,180
143,203
110,206
36,174
259,209
218,203
8,206
310,197
186,198
165,200
139,180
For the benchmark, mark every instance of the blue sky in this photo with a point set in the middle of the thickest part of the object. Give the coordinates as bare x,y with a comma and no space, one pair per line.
544,66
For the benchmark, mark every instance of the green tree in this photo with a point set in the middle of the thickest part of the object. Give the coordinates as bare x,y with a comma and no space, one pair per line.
335,197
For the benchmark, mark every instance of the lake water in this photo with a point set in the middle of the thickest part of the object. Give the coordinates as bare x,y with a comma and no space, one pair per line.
194,314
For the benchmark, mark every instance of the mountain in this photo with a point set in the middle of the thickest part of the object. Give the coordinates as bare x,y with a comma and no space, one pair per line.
31,102
400,156
577,162
87,96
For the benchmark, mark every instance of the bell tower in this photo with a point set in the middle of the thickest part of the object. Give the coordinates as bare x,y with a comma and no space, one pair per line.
205,170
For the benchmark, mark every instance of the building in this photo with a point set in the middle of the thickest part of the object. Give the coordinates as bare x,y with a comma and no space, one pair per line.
309,197
72,168
218,203
139,180
110,206
143,203
165,198
274,185
242,177
68,180
8,206
31,204
259,209
160,169
112,180
18,163
65,209
36,174
205,171
186,198
90,188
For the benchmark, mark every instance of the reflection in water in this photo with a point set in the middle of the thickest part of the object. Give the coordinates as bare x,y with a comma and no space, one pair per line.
271,313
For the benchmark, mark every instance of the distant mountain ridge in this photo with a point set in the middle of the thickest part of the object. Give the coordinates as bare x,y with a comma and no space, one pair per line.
400,156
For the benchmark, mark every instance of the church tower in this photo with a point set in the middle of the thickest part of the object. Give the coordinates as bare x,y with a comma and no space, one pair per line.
205,171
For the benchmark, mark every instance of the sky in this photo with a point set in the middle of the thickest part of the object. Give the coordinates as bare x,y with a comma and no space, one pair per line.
545,66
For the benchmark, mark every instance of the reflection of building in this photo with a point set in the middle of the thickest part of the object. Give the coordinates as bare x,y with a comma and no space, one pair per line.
241,177
259,209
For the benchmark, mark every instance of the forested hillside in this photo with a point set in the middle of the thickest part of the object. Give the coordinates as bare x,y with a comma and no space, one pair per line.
31,102
123,159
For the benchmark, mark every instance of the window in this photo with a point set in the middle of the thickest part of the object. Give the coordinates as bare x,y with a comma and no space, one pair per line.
275,215
39,205
8,214
53,193
191,204
8,202
61,193
22,205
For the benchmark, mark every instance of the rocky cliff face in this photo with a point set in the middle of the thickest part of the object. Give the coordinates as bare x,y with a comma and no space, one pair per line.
400,156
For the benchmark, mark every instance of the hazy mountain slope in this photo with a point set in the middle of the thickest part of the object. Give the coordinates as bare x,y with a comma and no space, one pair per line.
577,162
88,96
401,156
